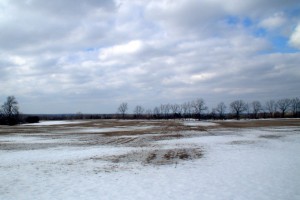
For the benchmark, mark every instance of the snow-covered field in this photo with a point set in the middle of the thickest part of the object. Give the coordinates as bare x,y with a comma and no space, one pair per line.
199,123
220,163
54,122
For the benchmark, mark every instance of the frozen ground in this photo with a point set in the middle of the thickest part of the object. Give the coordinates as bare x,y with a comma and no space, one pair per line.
221,163
54,122
199,123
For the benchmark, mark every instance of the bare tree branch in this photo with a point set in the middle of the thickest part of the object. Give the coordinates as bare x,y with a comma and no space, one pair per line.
238,107
123,108
256,107
283,105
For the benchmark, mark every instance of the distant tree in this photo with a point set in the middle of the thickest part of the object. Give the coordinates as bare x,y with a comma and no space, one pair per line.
283,106
148,113
295,106
213,113
123,109
256,108
79,115
248,110
238,107
199,107
2,121
156,112
220,109
271,107
165,110
32,119
138,111
186,109
10,111
176,110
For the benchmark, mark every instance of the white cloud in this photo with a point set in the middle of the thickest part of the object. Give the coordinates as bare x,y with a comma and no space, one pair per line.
295,37
121,50
202,77
273,22
146,52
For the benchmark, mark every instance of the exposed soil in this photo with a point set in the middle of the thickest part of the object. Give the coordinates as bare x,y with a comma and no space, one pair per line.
156,157
157,126
77,134
259,123
243,142
271,136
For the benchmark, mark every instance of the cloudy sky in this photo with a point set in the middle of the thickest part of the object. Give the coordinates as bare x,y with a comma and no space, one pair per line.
66,56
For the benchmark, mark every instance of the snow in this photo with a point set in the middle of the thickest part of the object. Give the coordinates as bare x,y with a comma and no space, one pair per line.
199,123
54,122
239,164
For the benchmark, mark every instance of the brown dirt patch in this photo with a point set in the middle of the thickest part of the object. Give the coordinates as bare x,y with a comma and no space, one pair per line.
140,127
271,136
258,123
156,157
242,142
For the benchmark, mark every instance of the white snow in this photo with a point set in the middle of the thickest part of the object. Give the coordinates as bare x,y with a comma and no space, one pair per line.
199,123
54,122
240,166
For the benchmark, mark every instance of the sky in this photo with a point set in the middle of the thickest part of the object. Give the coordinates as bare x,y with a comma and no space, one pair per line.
69,56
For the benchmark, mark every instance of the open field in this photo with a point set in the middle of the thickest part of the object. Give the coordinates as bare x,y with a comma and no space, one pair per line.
140,159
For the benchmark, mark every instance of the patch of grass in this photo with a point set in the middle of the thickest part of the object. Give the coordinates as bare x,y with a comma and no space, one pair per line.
156,157
150,157
241,142
258,123
271,136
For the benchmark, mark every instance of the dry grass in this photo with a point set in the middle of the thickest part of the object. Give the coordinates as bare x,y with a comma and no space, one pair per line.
156,126
156,157
271,136
243,142
144,137
72,134
259,123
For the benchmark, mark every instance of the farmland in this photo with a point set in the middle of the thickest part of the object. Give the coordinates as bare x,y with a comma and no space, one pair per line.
151,159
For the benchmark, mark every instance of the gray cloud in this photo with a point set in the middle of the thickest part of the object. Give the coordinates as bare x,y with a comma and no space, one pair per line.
69,56
40,25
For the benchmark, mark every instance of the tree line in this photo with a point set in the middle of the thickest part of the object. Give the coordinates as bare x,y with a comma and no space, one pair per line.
198,109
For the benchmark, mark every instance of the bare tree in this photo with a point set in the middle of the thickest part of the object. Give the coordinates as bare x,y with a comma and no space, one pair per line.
238,107
256,107
283,105
176,109
186,109
10,111
138,111
123,109
165,110
213,113
199,107
248,110
271,106
295,105
156,112
148,113
220,109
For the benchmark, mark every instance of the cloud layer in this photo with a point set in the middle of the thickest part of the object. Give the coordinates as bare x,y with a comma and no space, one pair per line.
89,56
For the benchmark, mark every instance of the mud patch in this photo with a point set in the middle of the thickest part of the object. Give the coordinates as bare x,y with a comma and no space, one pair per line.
242,142
157,157
172,156
271,136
